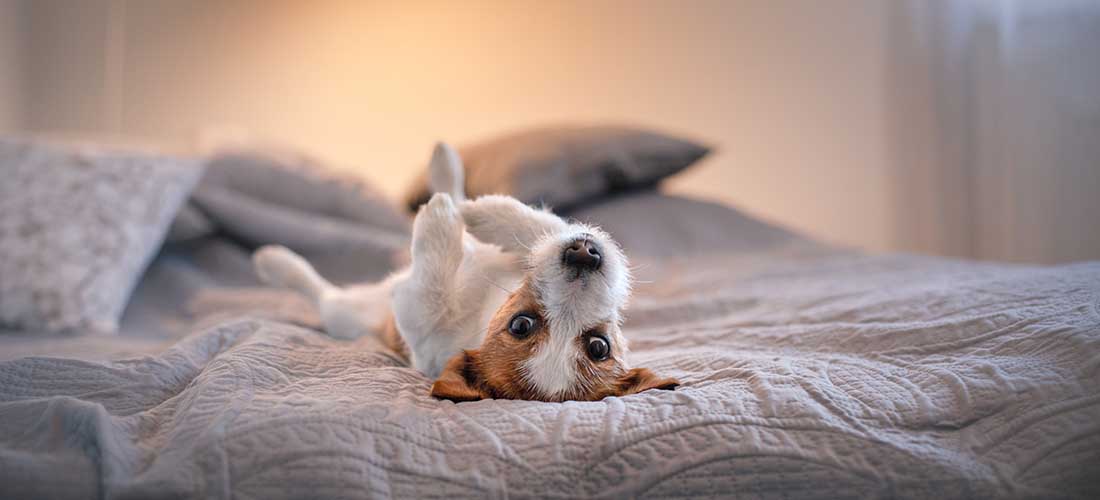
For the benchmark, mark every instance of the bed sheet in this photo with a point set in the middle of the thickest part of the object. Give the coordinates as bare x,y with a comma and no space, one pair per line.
808,372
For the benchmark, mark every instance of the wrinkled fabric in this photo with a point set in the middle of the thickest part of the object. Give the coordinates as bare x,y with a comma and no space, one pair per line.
806,374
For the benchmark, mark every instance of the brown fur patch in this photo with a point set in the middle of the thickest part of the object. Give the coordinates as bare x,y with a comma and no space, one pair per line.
458,382
391,338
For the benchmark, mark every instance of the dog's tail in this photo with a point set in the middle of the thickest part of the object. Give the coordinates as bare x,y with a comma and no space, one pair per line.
278,266
445,173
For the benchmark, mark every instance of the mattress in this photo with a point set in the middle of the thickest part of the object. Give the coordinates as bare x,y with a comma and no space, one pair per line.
807,372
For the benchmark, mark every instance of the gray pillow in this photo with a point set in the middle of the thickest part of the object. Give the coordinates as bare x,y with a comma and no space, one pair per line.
78,226
262,197
190,224
567,165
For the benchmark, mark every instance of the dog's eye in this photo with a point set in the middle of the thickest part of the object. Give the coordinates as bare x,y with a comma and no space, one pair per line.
598,348
521,326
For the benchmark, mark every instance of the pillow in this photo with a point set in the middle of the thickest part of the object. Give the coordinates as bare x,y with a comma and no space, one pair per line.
78,226
190,224
564,166
262,197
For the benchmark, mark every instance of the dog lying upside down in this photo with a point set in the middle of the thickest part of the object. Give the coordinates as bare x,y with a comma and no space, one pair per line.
501,300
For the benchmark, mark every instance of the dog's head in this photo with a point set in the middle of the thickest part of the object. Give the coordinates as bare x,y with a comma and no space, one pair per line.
557,337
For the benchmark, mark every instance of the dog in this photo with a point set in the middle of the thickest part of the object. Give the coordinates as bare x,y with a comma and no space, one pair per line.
500,301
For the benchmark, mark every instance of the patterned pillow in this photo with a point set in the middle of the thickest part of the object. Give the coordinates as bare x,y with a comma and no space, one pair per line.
78,226
568,165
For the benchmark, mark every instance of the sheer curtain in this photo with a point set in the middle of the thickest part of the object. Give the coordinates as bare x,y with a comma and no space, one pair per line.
995,115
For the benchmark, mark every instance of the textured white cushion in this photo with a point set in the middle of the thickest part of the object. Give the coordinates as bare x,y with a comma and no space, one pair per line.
78,225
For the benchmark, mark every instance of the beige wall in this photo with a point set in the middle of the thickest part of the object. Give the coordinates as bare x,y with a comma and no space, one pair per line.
790,92
13,70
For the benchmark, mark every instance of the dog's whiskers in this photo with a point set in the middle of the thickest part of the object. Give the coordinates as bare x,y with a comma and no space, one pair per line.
519,242
491,282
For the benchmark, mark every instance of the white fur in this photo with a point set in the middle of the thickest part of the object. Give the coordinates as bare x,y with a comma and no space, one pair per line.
277,265
466,256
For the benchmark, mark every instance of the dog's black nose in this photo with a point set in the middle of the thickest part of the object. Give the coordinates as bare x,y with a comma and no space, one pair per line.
582,254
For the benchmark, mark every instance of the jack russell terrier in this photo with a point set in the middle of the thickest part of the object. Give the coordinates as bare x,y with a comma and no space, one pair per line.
501,300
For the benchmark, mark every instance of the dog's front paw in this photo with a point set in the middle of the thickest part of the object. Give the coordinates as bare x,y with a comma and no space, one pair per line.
442,206
437,230
441,214
507,222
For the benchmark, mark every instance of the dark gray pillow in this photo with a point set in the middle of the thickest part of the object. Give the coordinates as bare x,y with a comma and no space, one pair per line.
567,165
78,225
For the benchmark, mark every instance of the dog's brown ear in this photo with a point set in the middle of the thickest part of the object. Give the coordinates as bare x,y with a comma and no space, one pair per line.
458,382
641,379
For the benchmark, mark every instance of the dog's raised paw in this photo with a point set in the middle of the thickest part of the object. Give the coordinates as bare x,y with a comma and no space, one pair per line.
437,230
442,205
507,222
441,214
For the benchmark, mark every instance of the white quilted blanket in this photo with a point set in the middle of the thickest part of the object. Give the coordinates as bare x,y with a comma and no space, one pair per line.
827,377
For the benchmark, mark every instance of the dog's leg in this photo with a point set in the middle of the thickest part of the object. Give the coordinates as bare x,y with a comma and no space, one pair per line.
352,312
425,303
278,266
437,245
507,222
346,313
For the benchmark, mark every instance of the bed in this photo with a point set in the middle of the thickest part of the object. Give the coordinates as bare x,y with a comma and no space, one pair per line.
808,371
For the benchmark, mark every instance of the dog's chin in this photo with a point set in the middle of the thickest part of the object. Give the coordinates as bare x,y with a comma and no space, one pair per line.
581,280
592,286
575,276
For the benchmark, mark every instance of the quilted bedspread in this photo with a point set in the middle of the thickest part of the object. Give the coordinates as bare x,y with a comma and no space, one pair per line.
804,375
